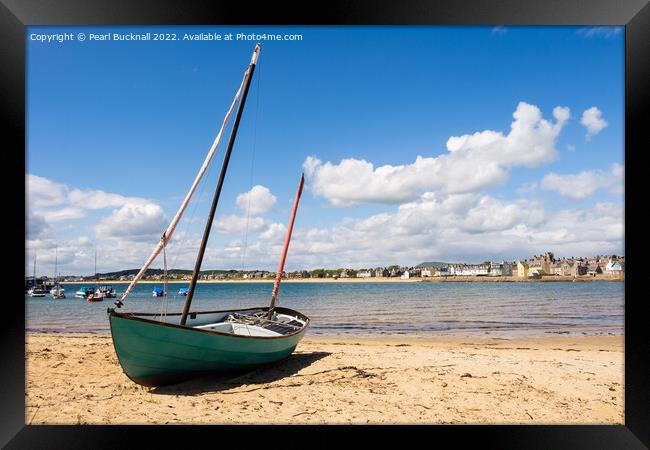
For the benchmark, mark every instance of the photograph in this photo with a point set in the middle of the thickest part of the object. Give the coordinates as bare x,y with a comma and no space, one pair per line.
283,224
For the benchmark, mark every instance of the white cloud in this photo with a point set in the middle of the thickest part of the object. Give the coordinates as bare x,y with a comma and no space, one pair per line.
274,232
36,226
44,193
49,202
448,227
94,199
473,162
41,192
81,241
606,32
460,227
592,119
582,185
67,213
237,225
75,253
133,222
257,201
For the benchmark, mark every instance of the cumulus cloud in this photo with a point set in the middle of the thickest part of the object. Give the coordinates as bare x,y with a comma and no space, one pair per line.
67,213
94,199
274,232
592,119
460,227
41,192
81,241
257,201
37,226
471,213
133,222
75,254
473,162
233,224
584,184
436,226
44,193
49,202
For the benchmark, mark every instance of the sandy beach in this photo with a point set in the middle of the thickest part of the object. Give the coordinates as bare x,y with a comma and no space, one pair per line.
76,378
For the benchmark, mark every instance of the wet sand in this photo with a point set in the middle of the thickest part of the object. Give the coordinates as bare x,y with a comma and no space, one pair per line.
73,379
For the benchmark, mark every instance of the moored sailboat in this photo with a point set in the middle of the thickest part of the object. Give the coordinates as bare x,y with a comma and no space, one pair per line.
162,349
57,291
35,291
97,295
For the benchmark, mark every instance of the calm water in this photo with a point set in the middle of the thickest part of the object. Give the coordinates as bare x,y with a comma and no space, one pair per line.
373,309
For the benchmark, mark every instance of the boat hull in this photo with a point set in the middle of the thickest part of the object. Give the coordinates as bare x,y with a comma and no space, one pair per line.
154,353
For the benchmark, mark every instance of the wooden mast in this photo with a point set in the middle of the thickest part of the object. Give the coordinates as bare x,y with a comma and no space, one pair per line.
287,239
56,266
215,199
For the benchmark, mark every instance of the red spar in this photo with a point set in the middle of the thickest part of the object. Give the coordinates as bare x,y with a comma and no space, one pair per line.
287,239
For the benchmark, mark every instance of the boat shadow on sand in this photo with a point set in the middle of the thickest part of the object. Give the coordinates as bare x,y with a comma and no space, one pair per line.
258,376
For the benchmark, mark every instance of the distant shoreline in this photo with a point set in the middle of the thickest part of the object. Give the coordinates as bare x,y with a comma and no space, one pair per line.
454,279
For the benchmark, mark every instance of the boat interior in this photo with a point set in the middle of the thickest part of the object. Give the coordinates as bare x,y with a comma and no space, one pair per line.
252,322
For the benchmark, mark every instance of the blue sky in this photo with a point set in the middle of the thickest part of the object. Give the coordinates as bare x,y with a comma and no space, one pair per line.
134,120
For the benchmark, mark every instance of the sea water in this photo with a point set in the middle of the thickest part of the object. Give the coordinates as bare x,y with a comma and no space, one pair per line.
374,309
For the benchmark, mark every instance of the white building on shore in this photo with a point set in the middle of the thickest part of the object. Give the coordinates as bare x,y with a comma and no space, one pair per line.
469,269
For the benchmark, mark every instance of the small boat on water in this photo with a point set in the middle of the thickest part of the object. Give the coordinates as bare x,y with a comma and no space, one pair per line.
57,292
160,349
183,292
107,291
157,292
84,292
95,297
36,292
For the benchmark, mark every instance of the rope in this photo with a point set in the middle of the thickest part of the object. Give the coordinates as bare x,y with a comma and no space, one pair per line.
250,185
165,284
197,199
163,303
172,226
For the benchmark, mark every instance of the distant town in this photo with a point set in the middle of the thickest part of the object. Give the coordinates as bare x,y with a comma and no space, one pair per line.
538,266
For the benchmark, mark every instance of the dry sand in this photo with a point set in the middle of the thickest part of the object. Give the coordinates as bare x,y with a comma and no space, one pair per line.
575,380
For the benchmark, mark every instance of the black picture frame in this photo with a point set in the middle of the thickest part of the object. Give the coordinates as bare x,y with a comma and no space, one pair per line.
15,15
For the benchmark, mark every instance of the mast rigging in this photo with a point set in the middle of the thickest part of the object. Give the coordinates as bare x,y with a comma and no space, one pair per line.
208,226
167,235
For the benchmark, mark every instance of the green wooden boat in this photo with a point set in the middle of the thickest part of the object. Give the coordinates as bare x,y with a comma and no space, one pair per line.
155,353
160,349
